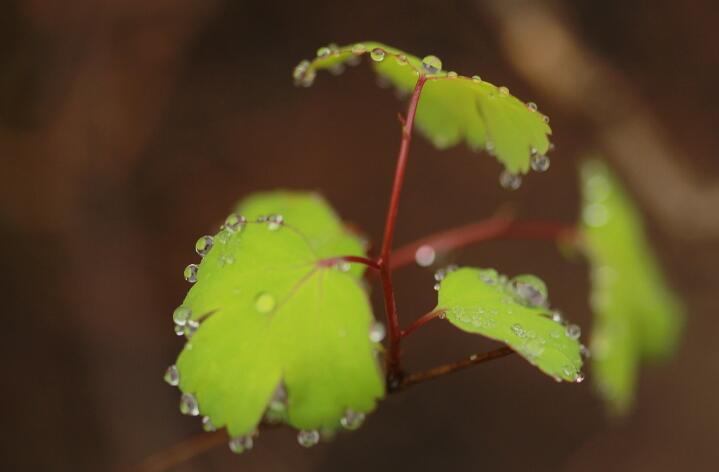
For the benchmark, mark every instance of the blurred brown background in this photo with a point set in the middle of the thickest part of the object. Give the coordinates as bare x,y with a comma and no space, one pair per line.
128,128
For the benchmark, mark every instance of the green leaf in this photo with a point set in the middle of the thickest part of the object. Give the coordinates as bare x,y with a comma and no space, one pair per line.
276,318
514,312
636,314
452,108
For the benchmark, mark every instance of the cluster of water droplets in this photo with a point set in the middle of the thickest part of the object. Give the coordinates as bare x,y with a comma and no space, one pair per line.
440,274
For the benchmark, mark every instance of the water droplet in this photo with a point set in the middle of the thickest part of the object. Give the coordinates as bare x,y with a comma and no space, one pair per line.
573,331
476,78
569,371
207,424
179,330
489,276
343,266
172,376
402,60
191,328
226,259
509,180
377,332
181,315
437,286
529,290
188,405
264,303
545,118
241,444
504,91
337,69
440,274
585,352
308,438
352,420
203,245
518,330
540,162
595,215
557,316
262,219
378,54
190,273
431,64
452,74
532,106
358,49
274,222
235,222
304,74
425,256
324,51
277,406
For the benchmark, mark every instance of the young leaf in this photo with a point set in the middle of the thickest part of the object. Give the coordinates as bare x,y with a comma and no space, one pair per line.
636,314
452,108
283,334
512,311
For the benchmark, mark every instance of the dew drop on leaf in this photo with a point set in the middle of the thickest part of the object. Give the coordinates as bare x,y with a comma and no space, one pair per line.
203,245
377,332
235,222
452,74
595,215
274,222
181,315
190,328
324,51
172,376
358,49
532,106
503,91
573,331
476,78
179,330
241,444
190,273
431,64
207,424
378,54
264,303
303,74
352,420
539,162
425,256
529,290
308,438
509,180
188,405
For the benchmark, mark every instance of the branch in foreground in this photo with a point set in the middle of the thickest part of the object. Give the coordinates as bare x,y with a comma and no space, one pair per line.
183,451
493,228
443,370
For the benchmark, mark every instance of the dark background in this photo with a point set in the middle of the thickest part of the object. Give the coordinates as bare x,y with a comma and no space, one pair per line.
129,128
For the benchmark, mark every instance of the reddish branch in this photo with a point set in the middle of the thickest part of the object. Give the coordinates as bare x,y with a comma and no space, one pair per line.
493,228
442,370
384,261
421,321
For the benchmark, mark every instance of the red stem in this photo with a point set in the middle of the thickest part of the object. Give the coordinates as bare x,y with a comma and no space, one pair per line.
454,367
421,321
493,228
384,262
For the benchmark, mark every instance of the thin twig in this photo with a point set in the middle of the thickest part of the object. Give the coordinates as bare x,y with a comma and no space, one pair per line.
443,370
183,451
421,321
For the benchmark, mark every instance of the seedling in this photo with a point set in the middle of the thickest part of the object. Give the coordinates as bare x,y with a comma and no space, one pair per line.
278,322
